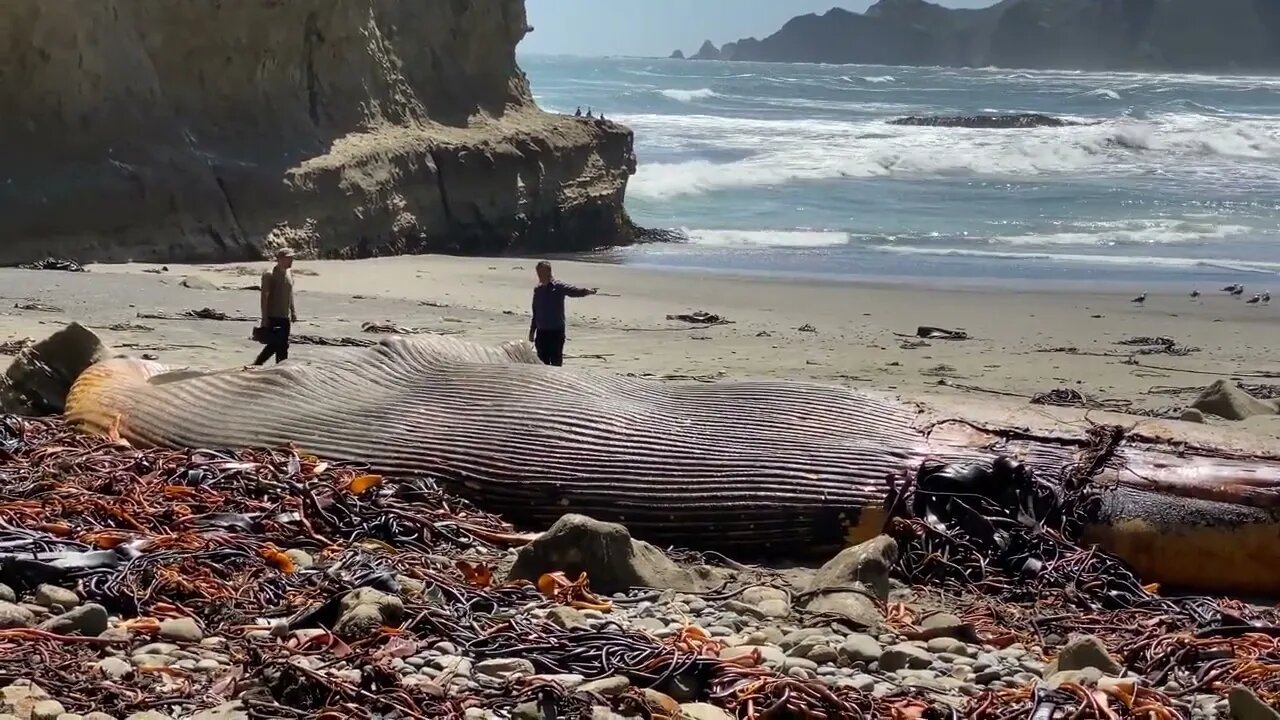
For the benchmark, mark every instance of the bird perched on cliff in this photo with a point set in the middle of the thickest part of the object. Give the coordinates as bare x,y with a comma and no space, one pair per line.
1238,291
1232,288
1253,300
1140,299
1195,294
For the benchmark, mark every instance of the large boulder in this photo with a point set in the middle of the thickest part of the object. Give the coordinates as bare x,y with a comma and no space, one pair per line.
1225,400
39,378
851,583
606,552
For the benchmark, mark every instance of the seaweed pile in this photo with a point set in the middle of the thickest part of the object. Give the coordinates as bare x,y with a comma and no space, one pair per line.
208,535
220,538
1001,541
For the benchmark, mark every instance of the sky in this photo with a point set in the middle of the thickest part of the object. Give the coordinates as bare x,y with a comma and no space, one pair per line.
656,27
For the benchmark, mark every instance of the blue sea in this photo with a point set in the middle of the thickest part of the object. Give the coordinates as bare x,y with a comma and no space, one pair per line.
794,170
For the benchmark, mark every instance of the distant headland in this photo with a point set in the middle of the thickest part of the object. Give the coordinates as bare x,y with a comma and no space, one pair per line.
1177,35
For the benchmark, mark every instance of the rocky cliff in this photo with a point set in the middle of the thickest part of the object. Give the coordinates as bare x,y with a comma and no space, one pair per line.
208,130
1186,35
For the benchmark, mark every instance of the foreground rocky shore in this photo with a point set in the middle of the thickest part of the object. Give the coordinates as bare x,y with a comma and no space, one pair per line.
158,584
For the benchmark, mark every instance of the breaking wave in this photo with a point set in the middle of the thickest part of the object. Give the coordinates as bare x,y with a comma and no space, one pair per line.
689,95
1241,266
775,152
766,238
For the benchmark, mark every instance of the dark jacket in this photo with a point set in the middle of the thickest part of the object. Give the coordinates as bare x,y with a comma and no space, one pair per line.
548,304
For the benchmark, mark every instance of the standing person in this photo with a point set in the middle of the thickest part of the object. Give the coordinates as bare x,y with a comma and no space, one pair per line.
546,329
277,307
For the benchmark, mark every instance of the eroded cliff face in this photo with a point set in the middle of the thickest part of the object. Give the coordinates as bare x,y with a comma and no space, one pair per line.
210,129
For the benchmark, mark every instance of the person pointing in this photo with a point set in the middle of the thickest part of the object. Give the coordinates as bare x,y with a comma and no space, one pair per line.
547,327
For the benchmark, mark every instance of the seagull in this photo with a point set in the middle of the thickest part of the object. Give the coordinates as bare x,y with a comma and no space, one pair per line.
1238,291
1266,298
1231,288
1140,299
1253,300
1195,294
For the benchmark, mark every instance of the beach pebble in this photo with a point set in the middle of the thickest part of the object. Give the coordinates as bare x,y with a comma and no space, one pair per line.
453,665
114,668
823,655
703,711
1088,677
365,610
181,629
89,620
47,710
566,680
195,282
527,711
1245,705
769,656
806,646
905,655
794,638
567,618
503,668
15,616
151,660
7,594
947,645
69,716
1083,652
766,602
606,687
860,648
53,596
1192,415
946,625
149,715
156,648
233,710
98,716
859,682
301,559
207,665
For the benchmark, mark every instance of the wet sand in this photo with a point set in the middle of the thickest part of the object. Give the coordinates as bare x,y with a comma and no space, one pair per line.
861,335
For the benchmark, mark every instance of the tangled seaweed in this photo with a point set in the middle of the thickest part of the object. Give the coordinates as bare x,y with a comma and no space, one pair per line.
996,530
52,263
204,534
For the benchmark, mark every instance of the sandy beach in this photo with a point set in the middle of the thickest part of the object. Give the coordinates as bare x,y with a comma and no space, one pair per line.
1020,343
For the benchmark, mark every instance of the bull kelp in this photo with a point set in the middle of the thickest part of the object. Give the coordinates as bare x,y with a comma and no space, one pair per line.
272,551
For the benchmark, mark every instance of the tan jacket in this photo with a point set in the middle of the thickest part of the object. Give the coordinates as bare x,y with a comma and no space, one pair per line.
277,294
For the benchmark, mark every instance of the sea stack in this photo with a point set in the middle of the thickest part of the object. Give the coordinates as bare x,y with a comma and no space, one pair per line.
708,51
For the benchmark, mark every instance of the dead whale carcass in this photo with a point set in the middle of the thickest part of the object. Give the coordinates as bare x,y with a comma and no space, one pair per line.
744,467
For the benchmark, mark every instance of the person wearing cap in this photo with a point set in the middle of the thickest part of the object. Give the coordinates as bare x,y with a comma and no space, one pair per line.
278,313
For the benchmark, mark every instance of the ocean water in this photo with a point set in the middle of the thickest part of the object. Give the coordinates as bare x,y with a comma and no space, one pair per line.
793,169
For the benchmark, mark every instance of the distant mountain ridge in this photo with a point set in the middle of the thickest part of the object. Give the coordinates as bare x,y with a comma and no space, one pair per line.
1184,35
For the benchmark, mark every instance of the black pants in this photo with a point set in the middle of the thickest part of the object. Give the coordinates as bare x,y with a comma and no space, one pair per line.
550,345
277,341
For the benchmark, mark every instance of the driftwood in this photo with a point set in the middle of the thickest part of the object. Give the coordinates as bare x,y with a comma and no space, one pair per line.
201,314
